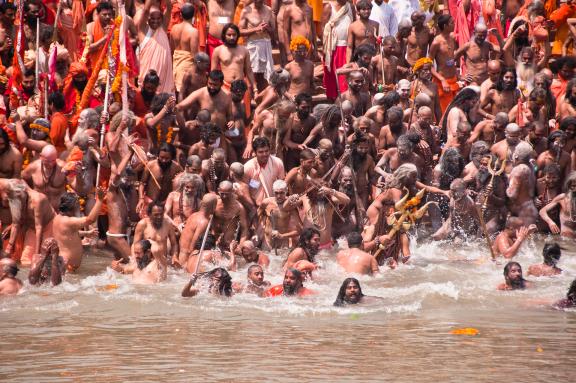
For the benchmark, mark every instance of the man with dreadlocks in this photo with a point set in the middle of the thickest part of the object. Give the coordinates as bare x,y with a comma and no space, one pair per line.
318,206
10,158
374,234
513,279
567,203
362,166
303,254
217,281
491,193
329,128
182,203
457,112
215,170
522,185
503,96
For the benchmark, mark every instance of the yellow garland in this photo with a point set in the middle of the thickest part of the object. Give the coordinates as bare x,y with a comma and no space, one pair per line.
169,134
78,98
27,156
40,128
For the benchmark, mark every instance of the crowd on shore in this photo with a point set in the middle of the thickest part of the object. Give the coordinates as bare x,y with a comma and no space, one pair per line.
208,135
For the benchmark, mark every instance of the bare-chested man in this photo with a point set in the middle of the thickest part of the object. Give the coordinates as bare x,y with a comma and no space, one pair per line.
393,158
463,220
318,206
360,99
158,228
505,148
300,177
503,96
10,158
258,27
477,52
494,68
31,215
47,265
442,52
302,257
215,170
567,203
45,175
157,179
395,128
419,38
220,13
387,64
230,220
247,253
301,69
211,98
298,128
233,59
184,201
551,254
9,284
354,259
509,240
363,30
297,21
522,185
196,77
147,264
460,140
195,227
490,131
279,217
67,227
184,42
555,154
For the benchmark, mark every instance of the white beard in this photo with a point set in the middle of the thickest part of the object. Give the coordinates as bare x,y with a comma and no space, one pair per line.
525,75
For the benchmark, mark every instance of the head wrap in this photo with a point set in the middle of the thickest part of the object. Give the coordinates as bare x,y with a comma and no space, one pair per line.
420,63
77,68
299,40
41,124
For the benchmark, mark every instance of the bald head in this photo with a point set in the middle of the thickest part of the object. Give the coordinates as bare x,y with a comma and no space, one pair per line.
494,65
9,266
248,245
424,111
512,128
325,144
422,99
501,118
237,169
49,153
208,202
480,27
225,186
347,107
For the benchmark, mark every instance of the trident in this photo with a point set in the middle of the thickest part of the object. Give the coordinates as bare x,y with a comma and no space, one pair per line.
490,186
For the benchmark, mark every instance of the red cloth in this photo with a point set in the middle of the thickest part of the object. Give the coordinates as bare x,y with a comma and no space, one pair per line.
58,126
141,107
329,80
211,44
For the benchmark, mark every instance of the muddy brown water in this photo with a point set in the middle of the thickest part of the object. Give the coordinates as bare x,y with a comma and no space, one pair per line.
99,327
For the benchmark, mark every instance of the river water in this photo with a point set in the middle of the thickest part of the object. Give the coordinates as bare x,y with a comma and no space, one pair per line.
98,327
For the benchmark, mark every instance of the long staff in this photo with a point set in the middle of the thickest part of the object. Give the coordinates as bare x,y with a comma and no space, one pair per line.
203,244
103,127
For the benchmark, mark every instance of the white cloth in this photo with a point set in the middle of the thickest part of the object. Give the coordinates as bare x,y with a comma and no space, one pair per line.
404,9
336,30
261,59
261,179
385,16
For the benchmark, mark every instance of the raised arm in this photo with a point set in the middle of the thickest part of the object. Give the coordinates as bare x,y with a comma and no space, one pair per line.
544,213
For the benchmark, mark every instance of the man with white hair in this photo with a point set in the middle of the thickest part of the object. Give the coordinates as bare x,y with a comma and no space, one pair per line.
505,148
403,89
279,218
522,185
31,215
184,201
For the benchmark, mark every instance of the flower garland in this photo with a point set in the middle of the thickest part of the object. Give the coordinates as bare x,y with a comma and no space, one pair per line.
169,134
27,156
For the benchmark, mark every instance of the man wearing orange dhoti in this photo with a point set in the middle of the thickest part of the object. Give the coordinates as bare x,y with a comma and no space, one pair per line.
154,50
74,85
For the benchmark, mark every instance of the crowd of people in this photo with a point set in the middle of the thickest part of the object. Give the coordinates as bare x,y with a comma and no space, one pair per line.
209,136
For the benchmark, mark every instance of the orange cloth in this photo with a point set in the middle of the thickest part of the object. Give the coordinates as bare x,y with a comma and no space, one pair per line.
200,23
58,126
559,18
317,8
492,18
558,87
70,93
97,35
70,28
278,290
446,97
141,108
